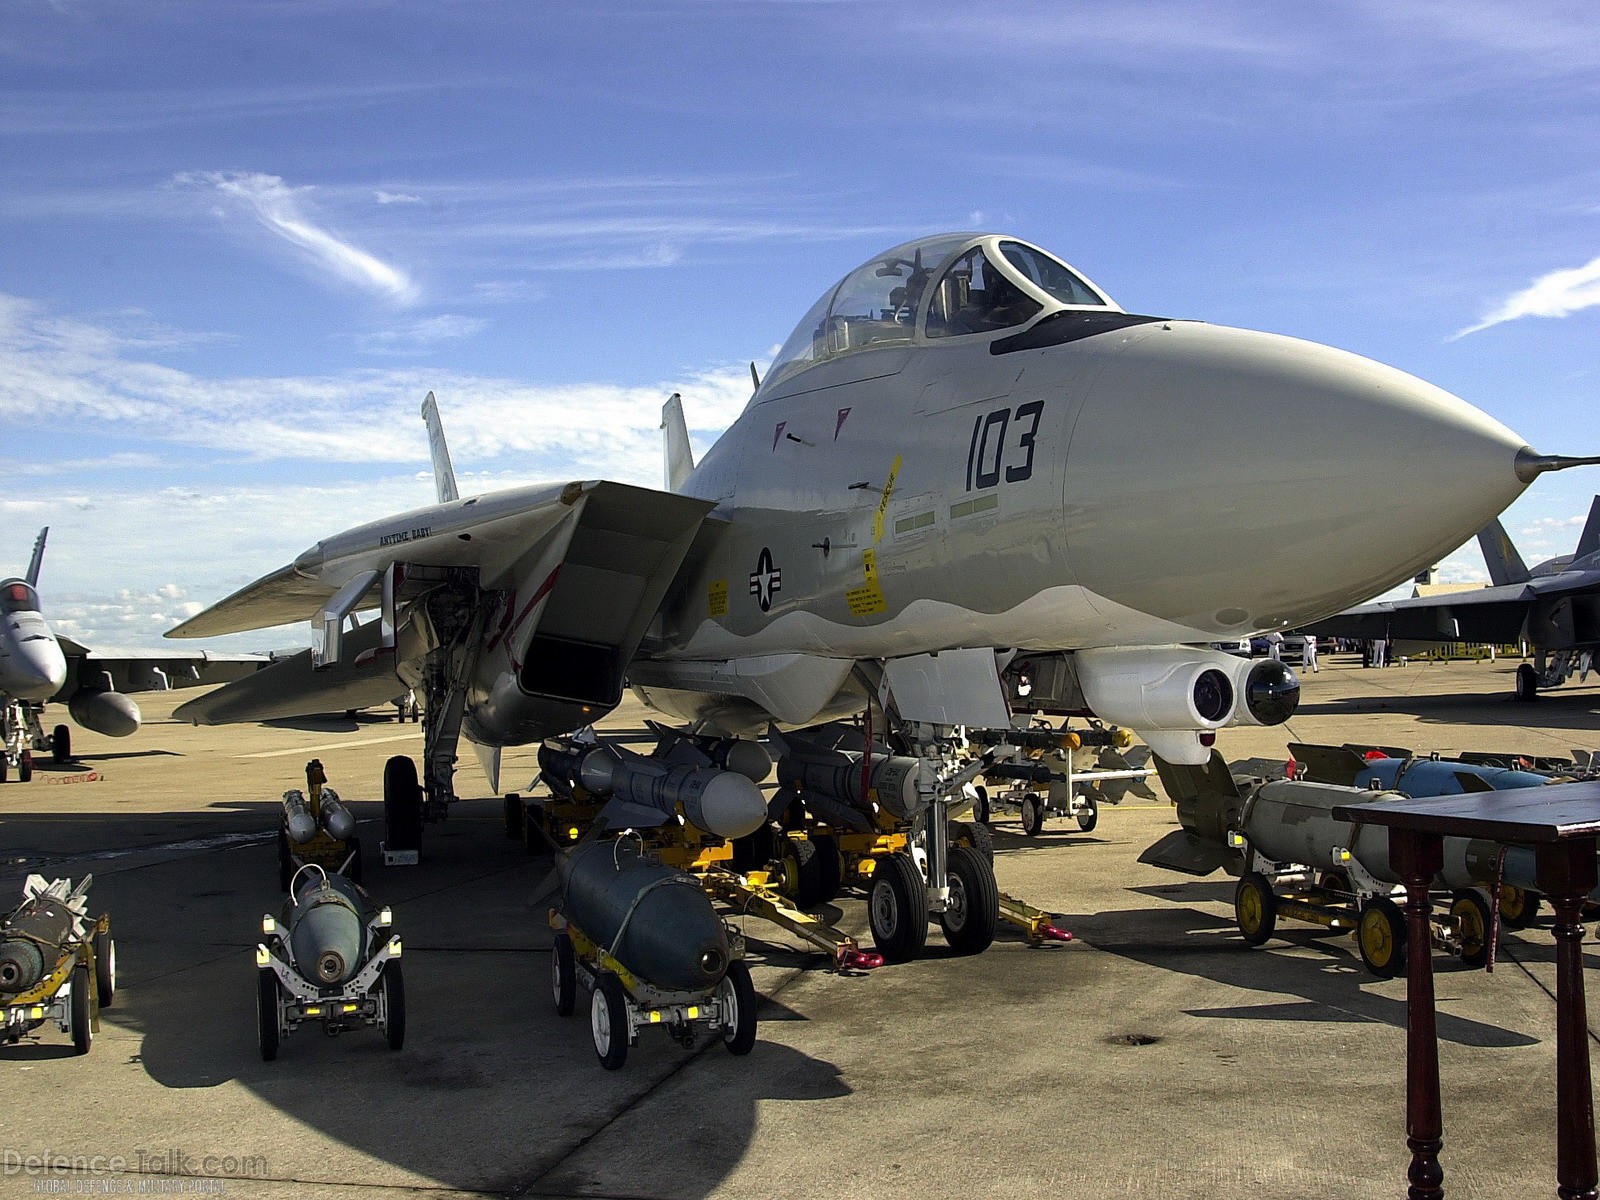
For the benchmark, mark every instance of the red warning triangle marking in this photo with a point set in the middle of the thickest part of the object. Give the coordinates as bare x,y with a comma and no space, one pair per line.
777,433
843,414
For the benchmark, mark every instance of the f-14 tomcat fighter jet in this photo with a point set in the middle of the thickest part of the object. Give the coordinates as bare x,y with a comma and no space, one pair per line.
964,451
37,664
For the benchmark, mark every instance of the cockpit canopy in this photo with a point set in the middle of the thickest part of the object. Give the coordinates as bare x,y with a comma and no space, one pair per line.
946,286
17,596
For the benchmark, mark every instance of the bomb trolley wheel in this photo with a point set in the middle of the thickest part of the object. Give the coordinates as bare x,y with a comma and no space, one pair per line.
608,1021
564,974
267,1018
736,995
82,1010
392,985
1519,907
105,966
1471,911
1381,937
1032,815
1088,816
1255,907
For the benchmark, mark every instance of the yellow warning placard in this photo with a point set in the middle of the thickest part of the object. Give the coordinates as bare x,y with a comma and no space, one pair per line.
717,598
868,598
883,502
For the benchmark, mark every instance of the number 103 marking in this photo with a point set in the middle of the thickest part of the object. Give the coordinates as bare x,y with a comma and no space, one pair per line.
987,451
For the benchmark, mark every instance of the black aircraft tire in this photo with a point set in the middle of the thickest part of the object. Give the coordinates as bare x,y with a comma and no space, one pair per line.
608,1021
1527,683
267,1013
1381,937
828,868
737,986
61,744
980,805
25,767
973,912
1255,908
897,908
974,834
1471,910
105,968
514,814
1032,815
564,974
402,804
82,1014
393,983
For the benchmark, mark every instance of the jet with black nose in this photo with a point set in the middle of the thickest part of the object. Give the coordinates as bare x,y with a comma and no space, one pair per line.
969,486
37,665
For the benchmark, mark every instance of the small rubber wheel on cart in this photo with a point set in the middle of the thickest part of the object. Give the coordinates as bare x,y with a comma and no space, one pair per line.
285,861
1519,907
564,974
514,814
1255,907
1527,683
1032,815
61,744
796,876
980,805
267,1013
1089,814
393,983
82,1014
737,996
105,968
1470,908
897,908
25,767
608,1020
1381,937
827,867
1336,884
974,834
972,913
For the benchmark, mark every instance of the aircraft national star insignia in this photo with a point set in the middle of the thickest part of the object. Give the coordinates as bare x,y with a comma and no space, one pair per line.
767,580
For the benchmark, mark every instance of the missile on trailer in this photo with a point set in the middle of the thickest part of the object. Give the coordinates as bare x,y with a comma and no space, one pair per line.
644,792
35,934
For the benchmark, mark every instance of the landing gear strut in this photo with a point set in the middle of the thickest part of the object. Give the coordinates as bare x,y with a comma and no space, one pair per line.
23,735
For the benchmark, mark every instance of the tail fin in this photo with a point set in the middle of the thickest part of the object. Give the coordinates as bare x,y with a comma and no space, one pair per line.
1505,564
679,457
444,475
38,557
1589,540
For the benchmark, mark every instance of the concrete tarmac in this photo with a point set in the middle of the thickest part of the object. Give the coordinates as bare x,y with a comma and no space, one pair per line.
1157,1056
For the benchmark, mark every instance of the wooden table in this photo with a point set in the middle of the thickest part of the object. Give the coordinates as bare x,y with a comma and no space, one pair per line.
1561,823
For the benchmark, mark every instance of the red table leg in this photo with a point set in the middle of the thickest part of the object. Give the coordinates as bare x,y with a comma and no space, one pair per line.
1418,857
1566,875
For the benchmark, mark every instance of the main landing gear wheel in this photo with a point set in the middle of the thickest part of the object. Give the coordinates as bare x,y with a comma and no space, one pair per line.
1381,937
1519,908
1032,815
1255,908
393,983
105,968
737,994
1527,683
564,974
514,814
402,804
971,833
1089,815
1471,912
267,1013
25,766
82,1015
61,744
972,912
897,908
608,1021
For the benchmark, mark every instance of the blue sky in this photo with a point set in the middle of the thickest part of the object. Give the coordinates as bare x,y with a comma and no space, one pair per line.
239,242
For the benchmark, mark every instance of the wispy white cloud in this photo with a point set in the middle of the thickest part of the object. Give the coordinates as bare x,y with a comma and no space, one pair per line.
384,197
421,336
1558,294
278,207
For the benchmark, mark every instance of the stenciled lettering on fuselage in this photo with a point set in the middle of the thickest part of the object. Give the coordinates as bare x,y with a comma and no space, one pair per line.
767,580
992,452
405,535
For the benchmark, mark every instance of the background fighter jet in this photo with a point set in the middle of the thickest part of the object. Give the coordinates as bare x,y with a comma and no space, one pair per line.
966,450
1554,607
38,665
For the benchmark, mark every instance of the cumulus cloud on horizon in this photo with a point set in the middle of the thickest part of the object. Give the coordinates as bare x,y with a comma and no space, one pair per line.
1557,294
277,206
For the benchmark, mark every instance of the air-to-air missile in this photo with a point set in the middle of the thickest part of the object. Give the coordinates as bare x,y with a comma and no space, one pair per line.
56,962
644,791
646,942
1294,859
328,957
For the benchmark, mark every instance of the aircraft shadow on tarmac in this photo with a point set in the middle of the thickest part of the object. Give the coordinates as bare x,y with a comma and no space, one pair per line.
1576,710
522,1088
1333,986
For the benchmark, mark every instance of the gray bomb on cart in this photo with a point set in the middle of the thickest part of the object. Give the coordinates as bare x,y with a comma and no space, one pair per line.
317,828
57,964
645,941
329,958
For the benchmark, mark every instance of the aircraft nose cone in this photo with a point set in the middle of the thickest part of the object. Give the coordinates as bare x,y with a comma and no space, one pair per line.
36,669
1270,481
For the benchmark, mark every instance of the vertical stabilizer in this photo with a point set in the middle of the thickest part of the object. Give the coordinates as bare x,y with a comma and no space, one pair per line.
38,557
679,458
444,475
1589,540
1504,563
